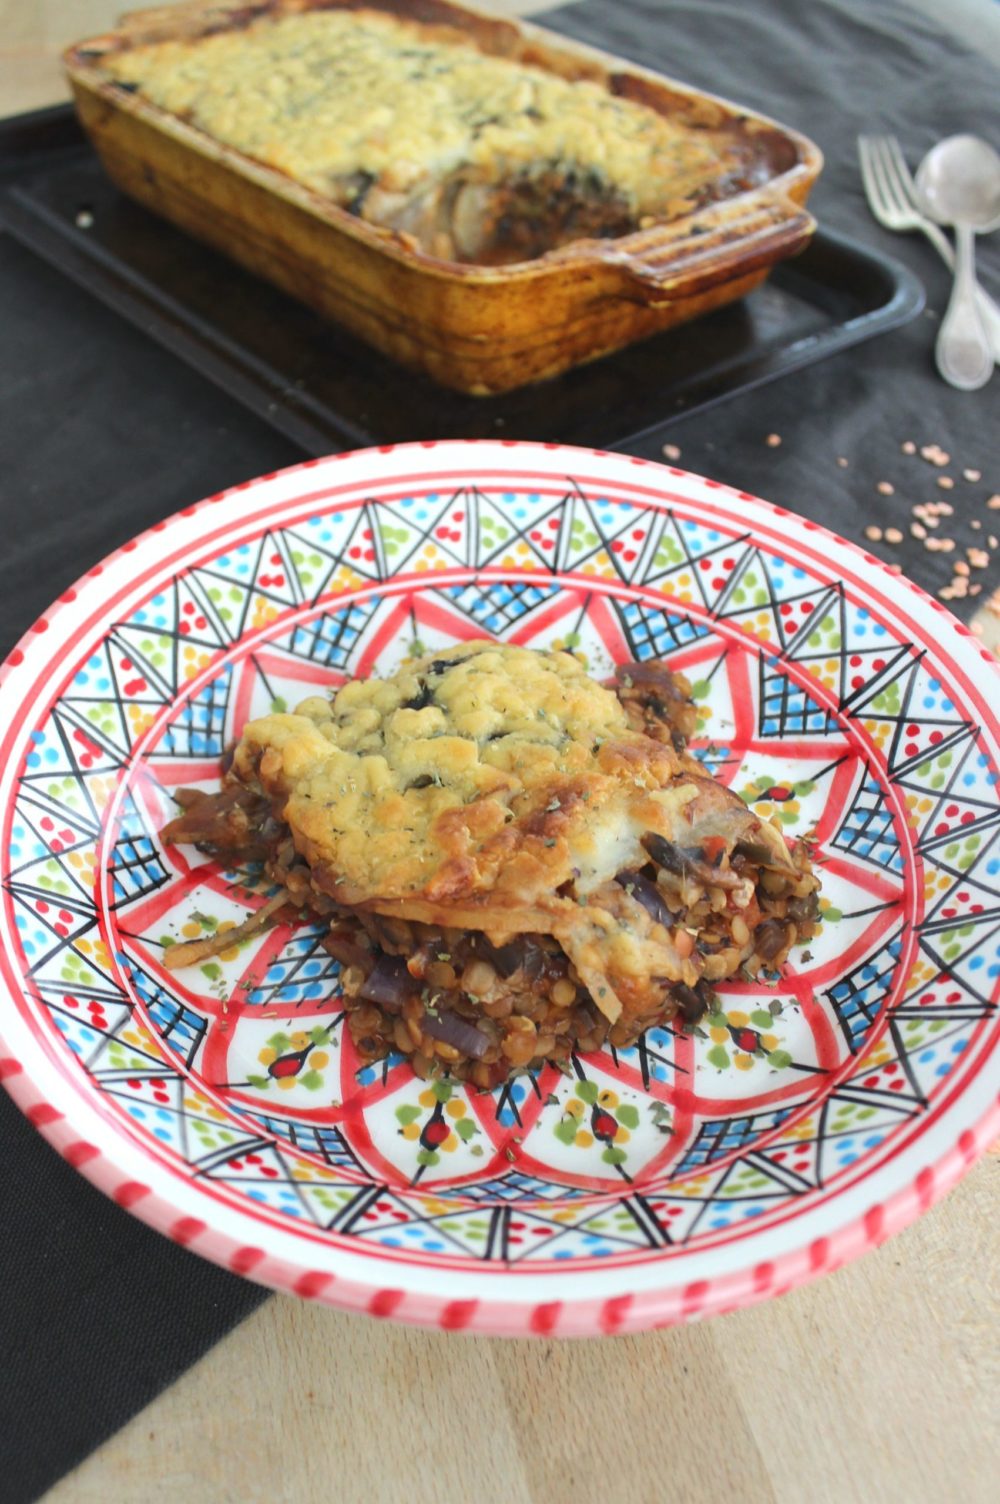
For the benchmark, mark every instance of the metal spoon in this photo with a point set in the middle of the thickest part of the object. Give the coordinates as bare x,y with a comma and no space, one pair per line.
959,183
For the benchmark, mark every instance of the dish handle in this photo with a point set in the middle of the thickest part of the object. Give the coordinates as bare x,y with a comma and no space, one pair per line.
717,245
160,23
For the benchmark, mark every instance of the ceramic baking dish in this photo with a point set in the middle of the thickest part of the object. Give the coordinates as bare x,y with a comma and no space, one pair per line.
479,329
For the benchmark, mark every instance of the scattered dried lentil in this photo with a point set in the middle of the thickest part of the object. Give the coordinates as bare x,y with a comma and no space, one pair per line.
934,454
908,447
946,483
842,462
671,452
893,535
918,530
994,503
874,533
977,557
973,475
773,440
885,488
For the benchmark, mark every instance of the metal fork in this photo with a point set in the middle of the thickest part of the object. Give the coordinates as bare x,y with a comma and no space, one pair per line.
893,199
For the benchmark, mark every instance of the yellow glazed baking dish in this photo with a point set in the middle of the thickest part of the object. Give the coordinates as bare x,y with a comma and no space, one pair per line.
475,327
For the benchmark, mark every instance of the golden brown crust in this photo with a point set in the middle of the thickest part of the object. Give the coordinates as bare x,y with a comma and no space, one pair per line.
510,779
377,111
491,787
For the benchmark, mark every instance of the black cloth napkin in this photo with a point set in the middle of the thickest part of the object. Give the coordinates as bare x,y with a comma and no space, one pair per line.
834,69
103,433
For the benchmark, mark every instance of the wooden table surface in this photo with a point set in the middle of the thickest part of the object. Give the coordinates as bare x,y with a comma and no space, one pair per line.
877,1384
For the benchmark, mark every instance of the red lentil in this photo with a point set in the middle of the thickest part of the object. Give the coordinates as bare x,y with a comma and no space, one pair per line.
934,454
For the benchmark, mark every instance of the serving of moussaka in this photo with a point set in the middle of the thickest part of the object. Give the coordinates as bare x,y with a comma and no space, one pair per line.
479,198
515,861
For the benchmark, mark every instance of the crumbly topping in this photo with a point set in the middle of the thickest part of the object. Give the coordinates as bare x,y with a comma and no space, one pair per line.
484,768
337,99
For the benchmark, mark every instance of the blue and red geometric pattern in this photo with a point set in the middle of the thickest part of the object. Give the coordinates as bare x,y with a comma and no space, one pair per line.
811,706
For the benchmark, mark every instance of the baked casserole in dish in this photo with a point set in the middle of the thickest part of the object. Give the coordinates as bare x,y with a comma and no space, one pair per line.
477,199
514,862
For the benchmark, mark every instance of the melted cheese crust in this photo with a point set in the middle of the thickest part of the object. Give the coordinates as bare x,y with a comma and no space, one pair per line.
486,769
327,95
488,787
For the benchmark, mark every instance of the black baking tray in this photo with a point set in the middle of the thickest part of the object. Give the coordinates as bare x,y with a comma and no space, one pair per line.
325,390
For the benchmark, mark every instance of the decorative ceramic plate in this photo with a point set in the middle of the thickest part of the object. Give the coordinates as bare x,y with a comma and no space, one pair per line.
797,1126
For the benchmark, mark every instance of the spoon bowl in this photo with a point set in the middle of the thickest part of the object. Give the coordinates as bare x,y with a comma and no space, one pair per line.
959,180
959,184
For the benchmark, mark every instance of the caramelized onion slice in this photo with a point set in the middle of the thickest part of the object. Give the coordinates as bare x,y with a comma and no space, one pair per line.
451,1029
192,951
389,983
688,863
640,888
523,954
